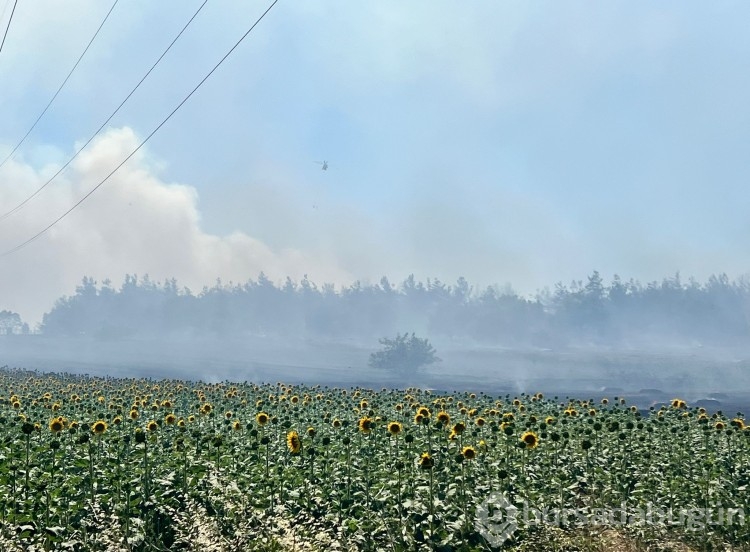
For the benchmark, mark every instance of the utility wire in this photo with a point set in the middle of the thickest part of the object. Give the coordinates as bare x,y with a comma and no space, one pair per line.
29,198
5,34
18,145
167,118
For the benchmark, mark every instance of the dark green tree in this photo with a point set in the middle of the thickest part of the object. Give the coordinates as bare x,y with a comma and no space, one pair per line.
405,353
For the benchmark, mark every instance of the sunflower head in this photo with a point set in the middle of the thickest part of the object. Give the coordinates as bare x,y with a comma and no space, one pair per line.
365,424
261,418
311,431
426,462
170,419
443,417
530,439
394,428
56,425
480,421
152,426
99,427
424,412
469,453
293,442
459,428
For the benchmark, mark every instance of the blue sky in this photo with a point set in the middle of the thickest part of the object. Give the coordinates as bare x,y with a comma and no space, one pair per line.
508,142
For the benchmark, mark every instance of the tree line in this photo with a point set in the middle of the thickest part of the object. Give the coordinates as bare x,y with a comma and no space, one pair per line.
590,312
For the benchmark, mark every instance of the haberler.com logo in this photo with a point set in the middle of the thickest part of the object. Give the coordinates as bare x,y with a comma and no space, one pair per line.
498,518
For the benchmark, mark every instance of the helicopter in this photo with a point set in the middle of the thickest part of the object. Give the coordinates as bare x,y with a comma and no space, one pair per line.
324,163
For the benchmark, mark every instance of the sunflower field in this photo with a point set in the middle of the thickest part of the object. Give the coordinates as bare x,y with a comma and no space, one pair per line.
91,463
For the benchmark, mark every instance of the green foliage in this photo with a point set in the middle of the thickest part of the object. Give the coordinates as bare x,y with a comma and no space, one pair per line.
221,478
404,352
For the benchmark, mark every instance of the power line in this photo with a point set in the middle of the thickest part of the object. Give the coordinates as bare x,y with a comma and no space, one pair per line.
18,145
131,154
29,198
5,34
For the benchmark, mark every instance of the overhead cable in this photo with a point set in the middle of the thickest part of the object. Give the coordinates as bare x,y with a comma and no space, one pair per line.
143,142
30,197
39,118
7,27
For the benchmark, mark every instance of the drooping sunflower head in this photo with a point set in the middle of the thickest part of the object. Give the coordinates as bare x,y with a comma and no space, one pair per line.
99,427
236,425
426,462
117,420
394,428
293,442
739,423
261,418
443,417
719,426
469,453
365,424
459,428
311,431
424,412
530,439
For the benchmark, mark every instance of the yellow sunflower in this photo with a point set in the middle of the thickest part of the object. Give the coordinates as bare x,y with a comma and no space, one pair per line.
469,453
444,418
293,442
365,424
56,425
426,461
530,439
99,427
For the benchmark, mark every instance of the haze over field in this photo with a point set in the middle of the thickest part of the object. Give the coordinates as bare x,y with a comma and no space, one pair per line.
503,142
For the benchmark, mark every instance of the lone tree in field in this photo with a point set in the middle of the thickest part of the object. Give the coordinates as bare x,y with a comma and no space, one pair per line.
405,352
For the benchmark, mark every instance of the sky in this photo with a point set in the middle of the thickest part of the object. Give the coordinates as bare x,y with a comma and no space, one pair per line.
512,143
